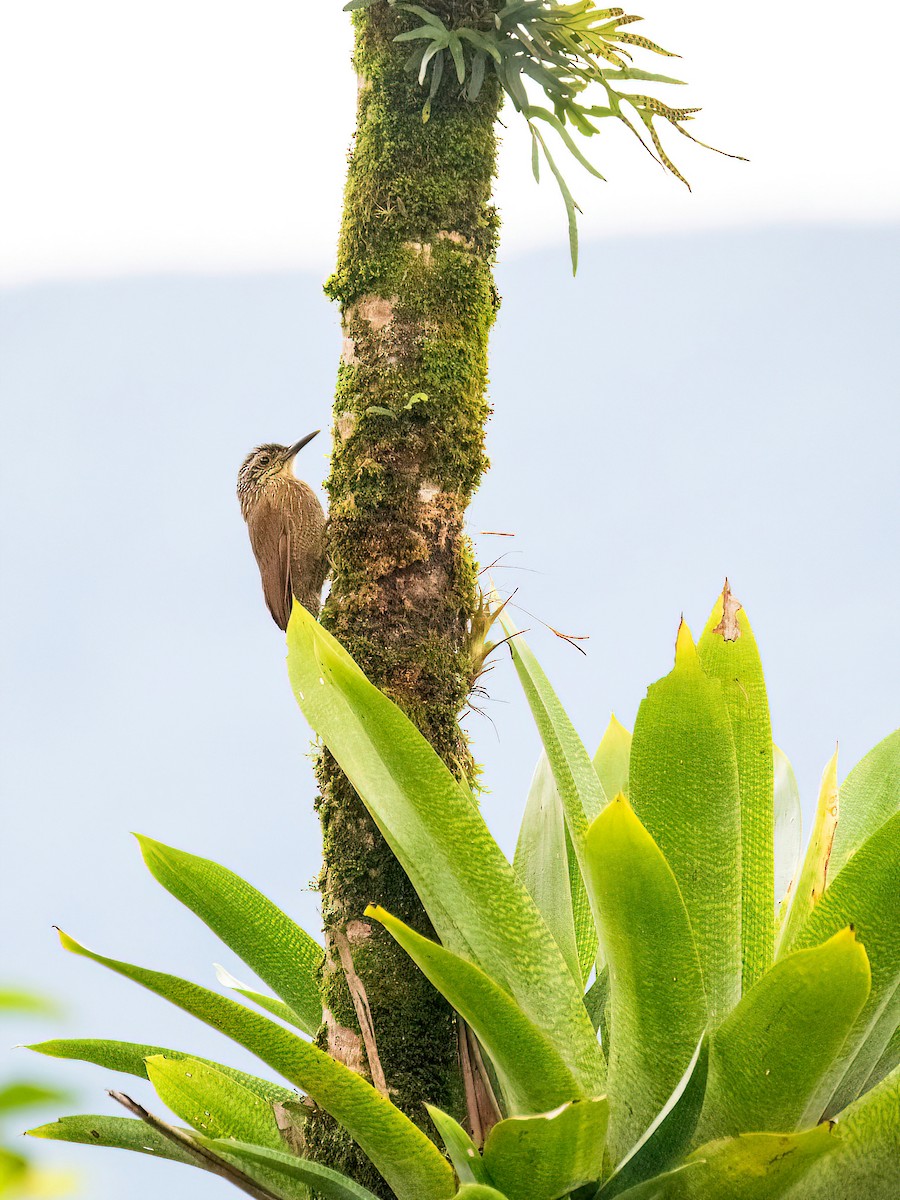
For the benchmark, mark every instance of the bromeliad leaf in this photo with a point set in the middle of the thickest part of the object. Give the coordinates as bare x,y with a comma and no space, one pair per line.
866,895
656,1007
546,1156
612,758
277,1008
534,1072
728,653
865,1161
131,1059
478,906
213,1104
542,862
869,796
576,780
410,1163
669,1135
270,943
684,786
814,872
121,1133
327,1184
755,1166
788,832
467,1162
757,1079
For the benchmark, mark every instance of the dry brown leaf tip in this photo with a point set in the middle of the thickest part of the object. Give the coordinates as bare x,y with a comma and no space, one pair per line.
729,627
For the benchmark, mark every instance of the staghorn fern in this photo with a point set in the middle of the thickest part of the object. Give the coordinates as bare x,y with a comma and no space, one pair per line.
566,50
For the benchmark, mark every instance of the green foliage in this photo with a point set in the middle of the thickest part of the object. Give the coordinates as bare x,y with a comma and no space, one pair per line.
705,1081
19,1176
564,50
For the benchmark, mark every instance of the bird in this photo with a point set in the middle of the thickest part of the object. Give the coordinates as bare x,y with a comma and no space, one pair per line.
286,524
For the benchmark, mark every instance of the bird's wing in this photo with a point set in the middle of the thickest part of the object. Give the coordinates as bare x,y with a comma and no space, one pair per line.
308,561
270,538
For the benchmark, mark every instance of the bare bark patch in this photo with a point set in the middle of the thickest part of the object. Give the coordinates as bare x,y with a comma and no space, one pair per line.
344,1045
363,1011
452,235
378,311
358,931
345,424
423,249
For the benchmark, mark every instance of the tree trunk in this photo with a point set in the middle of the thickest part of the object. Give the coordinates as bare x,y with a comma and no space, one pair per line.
415,286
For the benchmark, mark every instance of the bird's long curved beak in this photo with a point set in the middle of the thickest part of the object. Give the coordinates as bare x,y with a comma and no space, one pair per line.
294,450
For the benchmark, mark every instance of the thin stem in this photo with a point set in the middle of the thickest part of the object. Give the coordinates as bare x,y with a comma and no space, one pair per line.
205,1158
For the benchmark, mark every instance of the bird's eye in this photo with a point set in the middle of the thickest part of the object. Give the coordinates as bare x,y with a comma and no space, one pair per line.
264,461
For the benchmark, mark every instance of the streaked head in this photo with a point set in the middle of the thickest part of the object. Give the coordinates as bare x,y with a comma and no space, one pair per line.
267,461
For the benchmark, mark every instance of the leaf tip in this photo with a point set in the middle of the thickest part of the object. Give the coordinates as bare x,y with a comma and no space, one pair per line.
685,648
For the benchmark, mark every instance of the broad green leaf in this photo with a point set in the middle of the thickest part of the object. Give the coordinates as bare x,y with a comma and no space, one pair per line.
873,1055
577,782
813,875
531,1070
667,1139
890,1057
868,797
769,1057
121,1133
467,1162
866,1163
585,926
478,1191
788,828
542,862
270,943
728,652
660,1188
212,1103
410,1163
546,1156
656,1007
612,758
866,895
595,1001
754,1166
328,1184
477,904
277,1008
131,1059
684,786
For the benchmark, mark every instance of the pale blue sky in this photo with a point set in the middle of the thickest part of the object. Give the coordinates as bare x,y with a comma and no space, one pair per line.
690,406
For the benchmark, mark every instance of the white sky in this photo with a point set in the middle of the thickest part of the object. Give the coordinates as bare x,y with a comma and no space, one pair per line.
149,135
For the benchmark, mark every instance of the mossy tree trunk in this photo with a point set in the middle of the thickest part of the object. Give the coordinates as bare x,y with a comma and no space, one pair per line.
415,286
